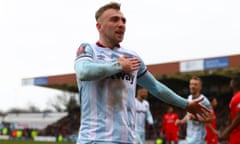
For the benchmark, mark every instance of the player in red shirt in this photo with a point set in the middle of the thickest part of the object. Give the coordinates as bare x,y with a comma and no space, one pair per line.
168,126
233,130
212,133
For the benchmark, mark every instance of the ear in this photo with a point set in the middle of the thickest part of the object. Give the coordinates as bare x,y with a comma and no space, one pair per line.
98,26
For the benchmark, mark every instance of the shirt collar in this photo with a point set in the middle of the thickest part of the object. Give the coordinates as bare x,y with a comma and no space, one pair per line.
101,45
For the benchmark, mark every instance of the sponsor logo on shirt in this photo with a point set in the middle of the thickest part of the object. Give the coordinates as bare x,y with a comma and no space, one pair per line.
124,76
238,105
100,57
81,49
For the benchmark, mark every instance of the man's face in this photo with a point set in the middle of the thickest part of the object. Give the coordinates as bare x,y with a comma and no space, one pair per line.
143,93
232,83
195,87
214,102
111,26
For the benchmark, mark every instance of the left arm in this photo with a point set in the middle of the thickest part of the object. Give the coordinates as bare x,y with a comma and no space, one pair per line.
210,116
149,117
160,91
165,94
212,128
208,120
231,127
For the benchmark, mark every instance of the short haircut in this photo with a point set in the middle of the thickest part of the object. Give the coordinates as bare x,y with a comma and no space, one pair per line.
197,78
236,80
211,98
111,5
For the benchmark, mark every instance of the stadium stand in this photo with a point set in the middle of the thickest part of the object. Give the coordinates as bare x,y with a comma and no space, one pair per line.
67,126
215,73
21,126
32,120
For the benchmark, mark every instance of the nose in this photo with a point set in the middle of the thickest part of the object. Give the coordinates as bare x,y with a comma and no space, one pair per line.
121,24
122,21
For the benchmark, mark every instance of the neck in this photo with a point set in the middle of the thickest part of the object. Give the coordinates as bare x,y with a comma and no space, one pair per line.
107,44
236,90
140,99
195,95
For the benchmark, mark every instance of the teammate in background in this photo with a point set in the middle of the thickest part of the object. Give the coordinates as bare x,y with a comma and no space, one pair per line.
143,113
212,133
107,75
196,131
232,132
169,128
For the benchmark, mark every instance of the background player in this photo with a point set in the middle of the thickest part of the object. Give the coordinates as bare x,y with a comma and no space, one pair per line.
169,129
143,114
212,132
232,132
196,131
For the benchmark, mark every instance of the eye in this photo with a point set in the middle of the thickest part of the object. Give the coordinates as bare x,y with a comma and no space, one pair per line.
124,20
116,19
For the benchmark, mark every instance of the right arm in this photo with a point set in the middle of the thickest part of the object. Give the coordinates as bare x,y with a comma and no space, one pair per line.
149,117
162,130
182,121
86,69
212,128
231,127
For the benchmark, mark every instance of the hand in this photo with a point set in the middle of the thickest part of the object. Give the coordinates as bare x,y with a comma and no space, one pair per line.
178,122
224,135
191,116
129,64
199,111
161,135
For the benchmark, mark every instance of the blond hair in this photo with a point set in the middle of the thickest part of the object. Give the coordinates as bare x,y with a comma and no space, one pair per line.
101,10
197,78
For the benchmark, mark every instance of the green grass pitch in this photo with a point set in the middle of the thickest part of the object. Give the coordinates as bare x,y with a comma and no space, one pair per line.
31,142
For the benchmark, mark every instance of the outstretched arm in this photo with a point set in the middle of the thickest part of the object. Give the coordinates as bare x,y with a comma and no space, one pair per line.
165,94
198,110
182,121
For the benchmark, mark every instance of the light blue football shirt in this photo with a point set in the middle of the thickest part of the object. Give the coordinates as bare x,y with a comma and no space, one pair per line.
196,131
107,95
108,104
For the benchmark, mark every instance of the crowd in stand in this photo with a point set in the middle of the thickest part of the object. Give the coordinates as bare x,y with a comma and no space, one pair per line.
69,125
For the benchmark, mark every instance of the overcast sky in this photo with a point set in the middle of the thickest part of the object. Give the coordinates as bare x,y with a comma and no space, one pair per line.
40,37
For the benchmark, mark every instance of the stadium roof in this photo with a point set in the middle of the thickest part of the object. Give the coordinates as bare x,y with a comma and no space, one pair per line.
32,120
217,67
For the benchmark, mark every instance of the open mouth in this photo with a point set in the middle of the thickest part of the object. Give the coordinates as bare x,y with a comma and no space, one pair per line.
120,33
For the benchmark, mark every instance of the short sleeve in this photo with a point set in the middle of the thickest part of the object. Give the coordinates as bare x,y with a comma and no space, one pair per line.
84,51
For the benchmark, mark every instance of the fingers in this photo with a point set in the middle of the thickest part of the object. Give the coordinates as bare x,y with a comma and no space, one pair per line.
129,64
203,108
199,111
202,115
177,122
199,99
135,63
